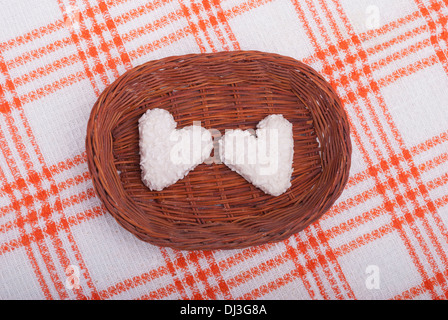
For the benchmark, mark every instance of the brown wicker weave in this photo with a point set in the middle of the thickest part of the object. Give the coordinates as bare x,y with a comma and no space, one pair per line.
214,207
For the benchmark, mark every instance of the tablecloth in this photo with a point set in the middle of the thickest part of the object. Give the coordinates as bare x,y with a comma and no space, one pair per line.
385,238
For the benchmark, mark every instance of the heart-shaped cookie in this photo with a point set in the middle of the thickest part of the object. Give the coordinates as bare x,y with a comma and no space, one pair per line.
167,154
264,158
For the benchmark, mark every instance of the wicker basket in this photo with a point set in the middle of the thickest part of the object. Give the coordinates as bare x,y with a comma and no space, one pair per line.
214,207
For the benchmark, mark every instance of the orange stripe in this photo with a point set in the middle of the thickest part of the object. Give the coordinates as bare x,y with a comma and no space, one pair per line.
92,51
378,233
41,196
292,252
416,150
396,40
408,70
390,26
258,270
193,27
69,163
53,87
408,158
44,71
342,44
442,201
271,286
37,182
38,53
431,208
86,215
383,137
366,238
134,282
419,289
159,293
311,264
191,259
141,10
416,232
354,223
435,36
17,141
22,231
223,265
430,164
160,43
202,24
32,35
44,30
400,54
104,46
430,143
433,163
357,178
375,212
315,43
438,182
54,169
213,22
173,271
325,260
81,53
78,198
216,271
115,35
354,201
244,7
29,56
334,52
223,20
329,254
152,26
242,256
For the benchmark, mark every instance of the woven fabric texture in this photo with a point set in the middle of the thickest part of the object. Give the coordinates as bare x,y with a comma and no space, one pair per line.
386,237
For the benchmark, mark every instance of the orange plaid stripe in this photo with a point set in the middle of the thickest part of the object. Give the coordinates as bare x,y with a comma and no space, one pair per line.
406,156
391,166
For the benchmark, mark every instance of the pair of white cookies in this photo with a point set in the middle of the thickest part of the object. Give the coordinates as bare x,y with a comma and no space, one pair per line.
263,157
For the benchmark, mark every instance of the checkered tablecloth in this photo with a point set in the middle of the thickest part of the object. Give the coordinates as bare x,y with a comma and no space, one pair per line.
385,238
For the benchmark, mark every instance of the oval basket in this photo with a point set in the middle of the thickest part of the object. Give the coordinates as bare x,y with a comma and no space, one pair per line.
214,207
